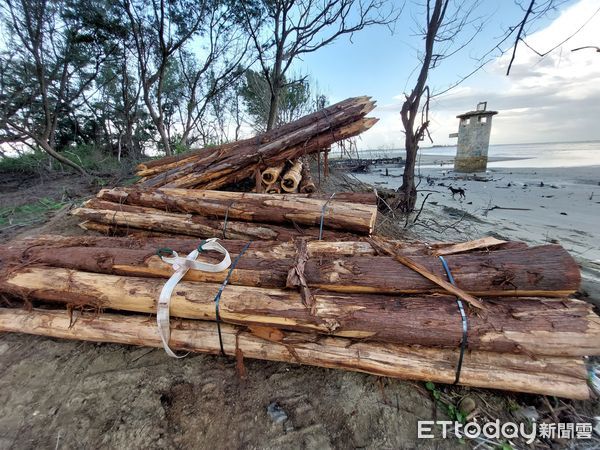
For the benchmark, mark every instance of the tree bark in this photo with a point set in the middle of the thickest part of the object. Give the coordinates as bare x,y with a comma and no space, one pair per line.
229,164
349,268
252,207
534,326
138,217
562,377
307,185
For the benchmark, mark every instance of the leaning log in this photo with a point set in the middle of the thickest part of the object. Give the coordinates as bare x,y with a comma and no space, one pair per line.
562,377
251,207
243,165
237,161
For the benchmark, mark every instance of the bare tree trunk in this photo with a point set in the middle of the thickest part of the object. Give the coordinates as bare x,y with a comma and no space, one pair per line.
274,100
48,149
407,193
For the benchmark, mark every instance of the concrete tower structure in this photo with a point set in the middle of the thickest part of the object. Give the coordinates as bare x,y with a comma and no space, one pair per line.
473,140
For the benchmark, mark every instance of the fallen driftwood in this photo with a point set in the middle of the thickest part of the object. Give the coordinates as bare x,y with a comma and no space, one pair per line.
559,376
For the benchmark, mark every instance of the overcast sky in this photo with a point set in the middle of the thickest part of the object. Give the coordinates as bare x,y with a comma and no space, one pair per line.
555,98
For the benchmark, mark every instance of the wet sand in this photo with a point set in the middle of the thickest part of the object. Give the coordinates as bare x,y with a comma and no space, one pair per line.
535,205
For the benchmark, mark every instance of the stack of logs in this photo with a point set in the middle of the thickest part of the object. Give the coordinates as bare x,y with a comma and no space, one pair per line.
290,177
374,306
349,301
229,164
229,215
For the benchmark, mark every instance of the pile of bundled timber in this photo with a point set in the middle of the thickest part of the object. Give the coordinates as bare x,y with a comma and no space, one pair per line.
230,215
215,167
356,305
291,177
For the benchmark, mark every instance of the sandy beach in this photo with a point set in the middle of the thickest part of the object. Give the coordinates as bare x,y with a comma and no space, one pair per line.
535,205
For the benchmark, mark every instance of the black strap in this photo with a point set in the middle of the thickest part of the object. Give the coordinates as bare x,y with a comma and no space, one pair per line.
323,216
226,217
465,325
218,296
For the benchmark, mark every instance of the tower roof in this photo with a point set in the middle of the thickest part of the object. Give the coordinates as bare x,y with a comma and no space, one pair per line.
476,113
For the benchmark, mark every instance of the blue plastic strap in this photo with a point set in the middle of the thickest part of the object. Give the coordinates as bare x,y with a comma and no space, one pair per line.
465,325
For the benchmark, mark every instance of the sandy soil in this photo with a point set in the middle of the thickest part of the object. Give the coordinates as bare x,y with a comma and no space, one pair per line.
63,394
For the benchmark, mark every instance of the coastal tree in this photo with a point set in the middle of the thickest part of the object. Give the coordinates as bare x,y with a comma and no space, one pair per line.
294,99
159,29
51,60
284,30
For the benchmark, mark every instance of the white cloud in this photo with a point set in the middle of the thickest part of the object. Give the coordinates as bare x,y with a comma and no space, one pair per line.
555,98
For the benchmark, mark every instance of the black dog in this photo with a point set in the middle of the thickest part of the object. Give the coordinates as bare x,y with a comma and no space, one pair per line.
459,191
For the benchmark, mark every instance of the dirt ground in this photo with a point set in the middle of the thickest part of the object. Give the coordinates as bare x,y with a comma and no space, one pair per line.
68,394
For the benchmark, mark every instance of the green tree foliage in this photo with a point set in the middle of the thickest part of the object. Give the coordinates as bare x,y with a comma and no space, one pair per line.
294,101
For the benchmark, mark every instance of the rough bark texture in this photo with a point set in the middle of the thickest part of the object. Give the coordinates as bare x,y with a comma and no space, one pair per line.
139,217
291,179
563,377
231,163
251,207
345,267
307,185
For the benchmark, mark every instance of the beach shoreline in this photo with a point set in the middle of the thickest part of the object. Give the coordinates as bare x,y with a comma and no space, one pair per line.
534,205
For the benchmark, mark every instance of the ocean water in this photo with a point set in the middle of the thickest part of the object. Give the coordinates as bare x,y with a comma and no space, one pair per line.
552,154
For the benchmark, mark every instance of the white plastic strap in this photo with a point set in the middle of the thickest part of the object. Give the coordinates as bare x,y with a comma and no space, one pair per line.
181,266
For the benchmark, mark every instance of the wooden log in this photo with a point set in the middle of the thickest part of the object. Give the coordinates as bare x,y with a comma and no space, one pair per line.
291,179
121,194
139,217
271,174
23,251
562,377
307,185
274,188
231,159
49,249
115,230
166,163
280,209
345,267
535,326
243,165
546,270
